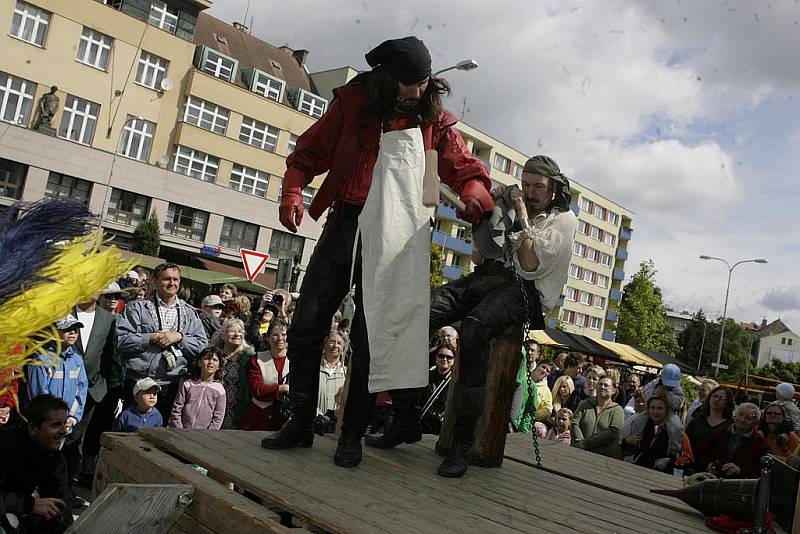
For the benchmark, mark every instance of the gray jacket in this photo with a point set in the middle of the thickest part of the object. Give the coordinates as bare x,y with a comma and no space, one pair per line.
140,358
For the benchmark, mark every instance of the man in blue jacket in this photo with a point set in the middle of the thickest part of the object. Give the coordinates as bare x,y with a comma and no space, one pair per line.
158,336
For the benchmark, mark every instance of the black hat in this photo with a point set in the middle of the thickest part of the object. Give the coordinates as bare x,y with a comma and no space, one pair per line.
407,60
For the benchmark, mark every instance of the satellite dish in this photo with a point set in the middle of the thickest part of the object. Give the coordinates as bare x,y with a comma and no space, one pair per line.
163,161
166,84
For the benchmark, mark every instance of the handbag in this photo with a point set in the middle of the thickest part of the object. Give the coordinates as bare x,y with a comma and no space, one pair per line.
285,405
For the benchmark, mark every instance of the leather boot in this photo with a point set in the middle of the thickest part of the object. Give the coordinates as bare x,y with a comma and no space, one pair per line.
348,450
298,431
404,427
292,434
468,407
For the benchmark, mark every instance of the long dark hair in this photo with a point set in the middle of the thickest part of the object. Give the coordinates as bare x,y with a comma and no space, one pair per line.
208,352
727,413
784,428
382,96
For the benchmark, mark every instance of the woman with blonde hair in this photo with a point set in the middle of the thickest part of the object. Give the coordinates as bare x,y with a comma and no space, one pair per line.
236,352
592,375
562,390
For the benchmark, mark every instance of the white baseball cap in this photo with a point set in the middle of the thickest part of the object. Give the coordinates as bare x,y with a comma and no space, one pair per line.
132,275
144,384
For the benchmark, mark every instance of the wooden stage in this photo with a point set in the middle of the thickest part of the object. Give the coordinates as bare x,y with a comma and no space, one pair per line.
392,490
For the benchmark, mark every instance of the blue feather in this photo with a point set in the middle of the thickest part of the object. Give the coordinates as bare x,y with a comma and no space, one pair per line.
28,235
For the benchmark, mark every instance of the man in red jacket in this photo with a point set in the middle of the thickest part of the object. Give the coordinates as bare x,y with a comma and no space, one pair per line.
398,95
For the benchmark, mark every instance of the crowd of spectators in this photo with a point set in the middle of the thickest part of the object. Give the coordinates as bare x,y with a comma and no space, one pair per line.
140,356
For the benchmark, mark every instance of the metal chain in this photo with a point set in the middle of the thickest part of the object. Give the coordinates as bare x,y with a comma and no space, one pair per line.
526,327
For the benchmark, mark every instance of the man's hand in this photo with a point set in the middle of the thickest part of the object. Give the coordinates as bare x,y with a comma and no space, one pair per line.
476,200
47,507
731,469
283,388
5,414
165,339
290,212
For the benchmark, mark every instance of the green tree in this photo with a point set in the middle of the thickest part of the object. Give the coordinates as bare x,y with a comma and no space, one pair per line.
642,321
693,338
735,350
780,370
437,278
147,236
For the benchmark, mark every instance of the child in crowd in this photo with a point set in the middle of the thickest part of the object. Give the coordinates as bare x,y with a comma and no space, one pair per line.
63,377
200,402
143,412
560,432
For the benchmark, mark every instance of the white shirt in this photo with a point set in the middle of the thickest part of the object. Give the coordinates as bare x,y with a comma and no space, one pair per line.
552,234
87,318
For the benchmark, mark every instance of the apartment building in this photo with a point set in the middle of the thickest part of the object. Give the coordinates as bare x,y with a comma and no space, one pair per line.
163,109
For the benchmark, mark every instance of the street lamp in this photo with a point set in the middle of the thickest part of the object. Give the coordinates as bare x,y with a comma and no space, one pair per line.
727,292
467,64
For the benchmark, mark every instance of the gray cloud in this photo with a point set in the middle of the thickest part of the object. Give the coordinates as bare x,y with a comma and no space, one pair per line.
782,299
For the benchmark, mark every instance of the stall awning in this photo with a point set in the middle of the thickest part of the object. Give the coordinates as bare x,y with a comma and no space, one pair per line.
629,354
665,359
263,281
552,337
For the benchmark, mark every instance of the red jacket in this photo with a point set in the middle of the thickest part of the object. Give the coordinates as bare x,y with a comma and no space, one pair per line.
747,457
340,144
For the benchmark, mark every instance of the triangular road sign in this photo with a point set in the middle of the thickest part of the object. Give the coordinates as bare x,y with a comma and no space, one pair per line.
253,261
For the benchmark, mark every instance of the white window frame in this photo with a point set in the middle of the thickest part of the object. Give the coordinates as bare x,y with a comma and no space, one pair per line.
81,111
596,233
161,17
20,98
586,205
602,281
612,217
137,133
588,276
151,70
311,104
32,24
292,143
584,297
206,115
580,319
571,294
259,134
599,211
599,302
606,260
597,322
196,164
609,238
579,249
264,85
583,227
96,49
592,254
216,65
249,180
574,271
501,163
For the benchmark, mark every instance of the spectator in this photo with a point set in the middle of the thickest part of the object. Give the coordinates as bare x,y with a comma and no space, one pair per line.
228,292
96,346
144,277
735,451
589,390
337,317
131,279
561,392
211,307
638,406
448,335
332,374
259,324
598,421
703,389
557,371
572,366
236,354
670,381
230,311
715,413
34,486
64,376
434,397
266,376
531,350
282,300
143,413
244,308
526,411
782,440
784,393
655,444
560,432
614,373
200,402
632,383
110,298
138,293
157,336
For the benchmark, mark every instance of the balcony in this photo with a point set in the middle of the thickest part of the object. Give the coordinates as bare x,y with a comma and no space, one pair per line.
622,254
608,335
575,209
451,272
552,323
618,274
624,234
615,294
611,315
446,211
453,243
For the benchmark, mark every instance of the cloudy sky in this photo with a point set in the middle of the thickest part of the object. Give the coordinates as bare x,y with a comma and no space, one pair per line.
684,112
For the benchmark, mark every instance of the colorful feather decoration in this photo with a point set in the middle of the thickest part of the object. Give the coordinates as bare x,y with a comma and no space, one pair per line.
47,266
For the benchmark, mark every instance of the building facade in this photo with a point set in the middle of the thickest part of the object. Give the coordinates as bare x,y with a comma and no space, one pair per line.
774,341
163,109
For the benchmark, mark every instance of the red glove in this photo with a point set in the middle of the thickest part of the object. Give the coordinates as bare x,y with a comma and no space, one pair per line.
290,212
477,200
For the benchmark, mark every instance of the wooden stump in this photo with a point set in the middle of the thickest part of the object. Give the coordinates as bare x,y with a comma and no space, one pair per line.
490,438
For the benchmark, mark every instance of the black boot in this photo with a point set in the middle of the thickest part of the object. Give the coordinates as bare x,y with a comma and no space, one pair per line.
348,451
292,434
468,407
404,427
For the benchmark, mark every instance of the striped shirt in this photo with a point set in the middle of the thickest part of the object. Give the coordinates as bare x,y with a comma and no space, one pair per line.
168,315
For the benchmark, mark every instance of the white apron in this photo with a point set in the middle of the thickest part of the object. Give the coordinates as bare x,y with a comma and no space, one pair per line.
394,227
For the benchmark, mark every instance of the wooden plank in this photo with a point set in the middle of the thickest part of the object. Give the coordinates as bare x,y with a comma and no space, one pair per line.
214,505
134,508
599,471
398,491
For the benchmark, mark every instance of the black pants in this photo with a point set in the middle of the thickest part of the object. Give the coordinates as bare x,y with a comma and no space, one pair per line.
325,284
72,443
102,420
486,302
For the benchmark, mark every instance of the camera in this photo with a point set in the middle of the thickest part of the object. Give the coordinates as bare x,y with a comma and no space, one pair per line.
278,300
